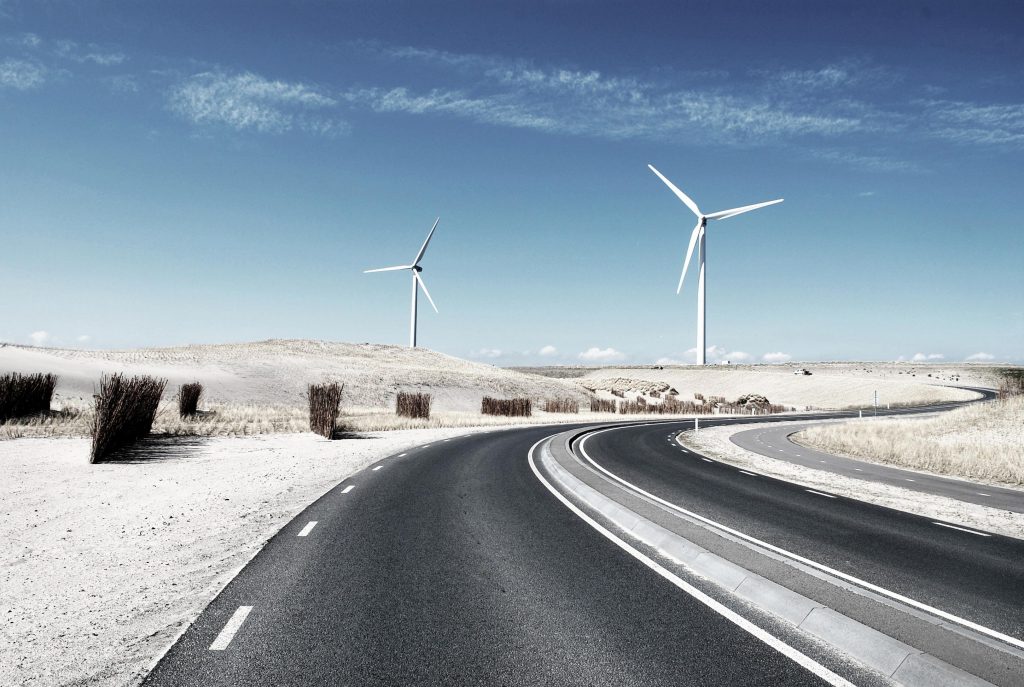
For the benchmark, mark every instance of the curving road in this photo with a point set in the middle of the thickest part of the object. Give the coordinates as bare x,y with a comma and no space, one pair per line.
452,564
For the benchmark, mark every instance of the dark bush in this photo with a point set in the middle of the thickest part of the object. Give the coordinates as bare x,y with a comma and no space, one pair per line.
188,399
600,405
513,407
22,395
125,410
324,407
561,405
413,405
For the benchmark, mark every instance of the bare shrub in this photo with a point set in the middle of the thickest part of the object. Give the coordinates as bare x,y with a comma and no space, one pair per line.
655,394
561,405
699,397
188,399
617,392
324,407
1011,384
125,410
413,405
601,405
22,395
512,407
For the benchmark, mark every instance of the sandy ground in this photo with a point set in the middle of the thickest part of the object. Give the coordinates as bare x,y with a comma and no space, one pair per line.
832,385
715,442
104,565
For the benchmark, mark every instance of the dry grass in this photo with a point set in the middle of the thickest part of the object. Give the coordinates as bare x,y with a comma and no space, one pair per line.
413,405
984,441
561,405
511,407
601,405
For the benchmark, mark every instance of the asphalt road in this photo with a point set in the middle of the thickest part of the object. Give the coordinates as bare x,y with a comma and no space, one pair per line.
452,564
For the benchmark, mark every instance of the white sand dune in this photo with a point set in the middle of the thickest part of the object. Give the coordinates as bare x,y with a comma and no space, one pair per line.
276,372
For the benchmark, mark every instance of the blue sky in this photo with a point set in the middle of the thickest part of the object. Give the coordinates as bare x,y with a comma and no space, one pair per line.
198,172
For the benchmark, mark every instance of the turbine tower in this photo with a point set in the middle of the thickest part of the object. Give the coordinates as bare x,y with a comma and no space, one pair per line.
698,235
417,283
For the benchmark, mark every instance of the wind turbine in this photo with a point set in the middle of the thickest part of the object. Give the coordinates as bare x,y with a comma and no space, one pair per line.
417,283
698,235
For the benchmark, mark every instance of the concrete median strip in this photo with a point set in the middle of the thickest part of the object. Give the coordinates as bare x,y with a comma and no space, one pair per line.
900,662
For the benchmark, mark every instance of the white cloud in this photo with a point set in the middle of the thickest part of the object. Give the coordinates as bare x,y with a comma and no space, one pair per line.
776,357
39,338
604,355
981,356
866,194
248,101
548,351
670,361
83,338
924,357
91,53
964,122
486,353
21,75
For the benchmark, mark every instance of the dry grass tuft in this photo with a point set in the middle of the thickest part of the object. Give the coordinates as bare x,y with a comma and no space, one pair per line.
601,405
188,399
562,405
22,395
125,410
984,441
413,405
324,408
509,407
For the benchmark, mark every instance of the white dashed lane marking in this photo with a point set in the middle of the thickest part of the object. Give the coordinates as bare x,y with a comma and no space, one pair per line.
348,489
748,473
308,528
962,529
377,468
229,631
811,491
400,455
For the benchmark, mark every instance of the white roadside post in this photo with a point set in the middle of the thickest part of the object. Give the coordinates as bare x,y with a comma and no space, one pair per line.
696,424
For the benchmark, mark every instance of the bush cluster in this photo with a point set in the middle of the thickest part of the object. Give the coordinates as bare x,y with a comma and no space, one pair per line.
188,399
512,407
324,407
601,405
22,395
561,405
125,410
413,405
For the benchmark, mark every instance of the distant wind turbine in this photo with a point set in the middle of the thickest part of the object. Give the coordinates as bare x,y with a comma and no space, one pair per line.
417,283
698,234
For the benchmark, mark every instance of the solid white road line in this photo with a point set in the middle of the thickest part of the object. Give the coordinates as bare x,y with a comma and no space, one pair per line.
308,528
828,496
806,561
377,468
348,489
771,640
228,633
962,529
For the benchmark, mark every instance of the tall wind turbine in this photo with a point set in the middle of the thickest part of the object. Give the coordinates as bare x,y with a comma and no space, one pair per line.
417,283
698,235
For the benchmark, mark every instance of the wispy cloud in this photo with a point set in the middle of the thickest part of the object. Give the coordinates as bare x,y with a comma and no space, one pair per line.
966,123
926,357
776,357
870,163
249,101
88,53
21,75
39,338
980,357
486,353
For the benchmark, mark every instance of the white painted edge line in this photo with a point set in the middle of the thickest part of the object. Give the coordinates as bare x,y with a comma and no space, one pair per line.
348,489
771,640
962,529
308,528
377,468
232,627
744,472
1013,641
820,493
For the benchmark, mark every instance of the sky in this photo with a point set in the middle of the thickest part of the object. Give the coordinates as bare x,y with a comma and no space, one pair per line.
208,172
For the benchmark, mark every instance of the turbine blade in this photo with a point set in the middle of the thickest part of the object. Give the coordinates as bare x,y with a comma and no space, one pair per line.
423,249
726,214
682,196
389,269
689,254
425,292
